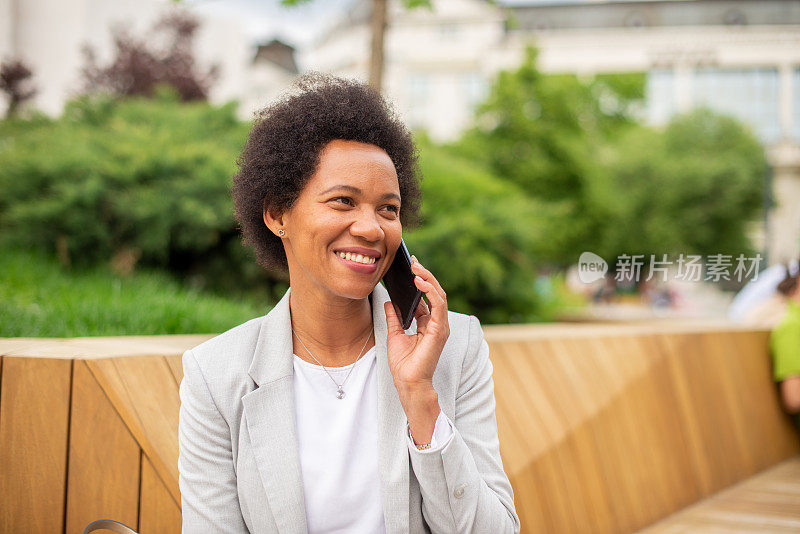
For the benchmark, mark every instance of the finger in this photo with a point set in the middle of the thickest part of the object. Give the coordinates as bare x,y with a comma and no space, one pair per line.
440,307
425,274
422,324
422,309
439,313
392,320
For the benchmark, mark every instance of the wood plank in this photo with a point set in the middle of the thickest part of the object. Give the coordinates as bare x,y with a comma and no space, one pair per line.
514,445
104,459
143,391
603,428
767,502
176,366
101,347
158,511
34,421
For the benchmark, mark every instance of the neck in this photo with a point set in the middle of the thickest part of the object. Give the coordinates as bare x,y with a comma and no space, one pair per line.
333,329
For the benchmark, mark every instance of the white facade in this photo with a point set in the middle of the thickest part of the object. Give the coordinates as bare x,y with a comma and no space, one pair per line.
438,61
48,36
740,57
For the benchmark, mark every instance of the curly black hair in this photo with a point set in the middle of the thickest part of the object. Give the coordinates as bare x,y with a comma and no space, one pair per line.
283,148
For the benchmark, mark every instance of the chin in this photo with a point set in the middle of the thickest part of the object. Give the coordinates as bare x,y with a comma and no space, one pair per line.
355,291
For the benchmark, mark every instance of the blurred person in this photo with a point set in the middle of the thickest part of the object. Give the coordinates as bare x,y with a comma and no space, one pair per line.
759,303
324,415
785,345
607,292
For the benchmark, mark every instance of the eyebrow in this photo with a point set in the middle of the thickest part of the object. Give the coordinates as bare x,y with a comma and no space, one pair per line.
356,191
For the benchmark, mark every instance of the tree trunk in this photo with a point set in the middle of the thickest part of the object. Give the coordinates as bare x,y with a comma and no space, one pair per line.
378,25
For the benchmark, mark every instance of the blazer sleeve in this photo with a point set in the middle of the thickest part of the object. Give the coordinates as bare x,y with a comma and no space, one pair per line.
206,476
464,487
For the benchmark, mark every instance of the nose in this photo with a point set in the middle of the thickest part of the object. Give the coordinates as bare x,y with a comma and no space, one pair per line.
367,226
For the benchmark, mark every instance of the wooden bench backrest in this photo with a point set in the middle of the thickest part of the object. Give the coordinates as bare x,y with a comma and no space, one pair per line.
602,429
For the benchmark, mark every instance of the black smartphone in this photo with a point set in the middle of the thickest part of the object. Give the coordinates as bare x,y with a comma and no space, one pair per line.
399,282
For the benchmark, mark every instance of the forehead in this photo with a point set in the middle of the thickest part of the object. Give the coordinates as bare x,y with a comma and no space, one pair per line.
353,162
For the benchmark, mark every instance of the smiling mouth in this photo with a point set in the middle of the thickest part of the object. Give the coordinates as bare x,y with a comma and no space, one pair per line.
357,258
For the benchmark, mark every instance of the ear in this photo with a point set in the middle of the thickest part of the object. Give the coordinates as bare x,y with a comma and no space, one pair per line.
273,220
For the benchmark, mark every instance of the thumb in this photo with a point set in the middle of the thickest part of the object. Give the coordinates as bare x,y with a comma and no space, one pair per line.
392,321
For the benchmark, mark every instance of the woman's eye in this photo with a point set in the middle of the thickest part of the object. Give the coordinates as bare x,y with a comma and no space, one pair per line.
394,208
345,199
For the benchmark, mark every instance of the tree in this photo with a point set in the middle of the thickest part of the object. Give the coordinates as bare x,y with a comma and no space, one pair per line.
689,188
546,134
378,24
482,237
137,68
15,83
612,185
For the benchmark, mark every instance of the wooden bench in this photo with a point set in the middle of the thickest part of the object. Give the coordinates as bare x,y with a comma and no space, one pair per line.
602,428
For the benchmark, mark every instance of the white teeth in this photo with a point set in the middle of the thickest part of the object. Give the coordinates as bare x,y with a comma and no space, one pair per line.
366,260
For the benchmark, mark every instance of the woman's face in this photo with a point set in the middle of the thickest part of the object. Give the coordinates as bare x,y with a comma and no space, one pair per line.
350,204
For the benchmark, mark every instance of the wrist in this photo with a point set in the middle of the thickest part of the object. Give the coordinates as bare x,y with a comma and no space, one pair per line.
418,399
421,406
420,389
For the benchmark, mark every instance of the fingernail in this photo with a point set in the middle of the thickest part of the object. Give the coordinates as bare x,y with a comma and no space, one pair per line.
414,258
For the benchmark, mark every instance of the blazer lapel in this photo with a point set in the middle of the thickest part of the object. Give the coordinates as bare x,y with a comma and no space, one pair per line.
393,459
270,414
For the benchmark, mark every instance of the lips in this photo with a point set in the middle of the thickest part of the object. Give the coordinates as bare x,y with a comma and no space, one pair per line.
364,252
362,268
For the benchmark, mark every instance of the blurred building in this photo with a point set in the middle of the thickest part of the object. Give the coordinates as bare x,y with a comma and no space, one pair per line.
740,57
48,35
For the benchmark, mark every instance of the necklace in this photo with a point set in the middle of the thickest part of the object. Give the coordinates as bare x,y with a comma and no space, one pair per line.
339,391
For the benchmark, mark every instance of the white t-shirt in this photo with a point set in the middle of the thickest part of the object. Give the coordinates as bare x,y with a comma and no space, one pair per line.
338,441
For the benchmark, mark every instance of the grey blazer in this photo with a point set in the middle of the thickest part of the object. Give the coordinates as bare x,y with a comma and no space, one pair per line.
239,466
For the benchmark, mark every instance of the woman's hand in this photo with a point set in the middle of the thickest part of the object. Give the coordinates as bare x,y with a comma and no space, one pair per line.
413,358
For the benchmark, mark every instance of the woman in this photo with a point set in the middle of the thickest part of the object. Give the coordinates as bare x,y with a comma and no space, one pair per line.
325,415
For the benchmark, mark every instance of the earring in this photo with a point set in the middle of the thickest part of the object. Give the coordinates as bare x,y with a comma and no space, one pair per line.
281,232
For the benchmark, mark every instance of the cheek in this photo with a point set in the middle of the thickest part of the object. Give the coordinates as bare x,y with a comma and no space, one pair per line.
393,230
393,233
325,224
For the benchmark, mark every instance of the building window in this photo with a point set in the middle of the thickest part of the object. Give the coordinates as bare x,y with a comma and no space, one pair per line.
660,96
474,88
419,90
419,86
448,31
635,20
796,105
734,17
751,95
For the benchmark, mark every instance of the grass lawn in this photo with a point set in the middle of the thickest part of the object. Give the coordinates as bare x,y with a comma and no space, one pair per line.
39,299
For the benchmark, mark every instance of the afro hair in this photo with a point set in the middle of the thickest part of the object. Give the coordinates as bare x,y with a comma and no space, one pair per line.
283,148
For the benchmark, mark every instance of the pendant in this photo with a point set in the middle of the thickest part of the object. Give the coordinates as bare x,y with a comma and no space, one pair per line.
340,393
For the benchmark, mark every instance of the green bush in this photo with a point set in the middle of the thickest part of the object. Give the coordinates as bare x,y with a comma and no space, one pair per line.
689,188
606,183
148,180
145,178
